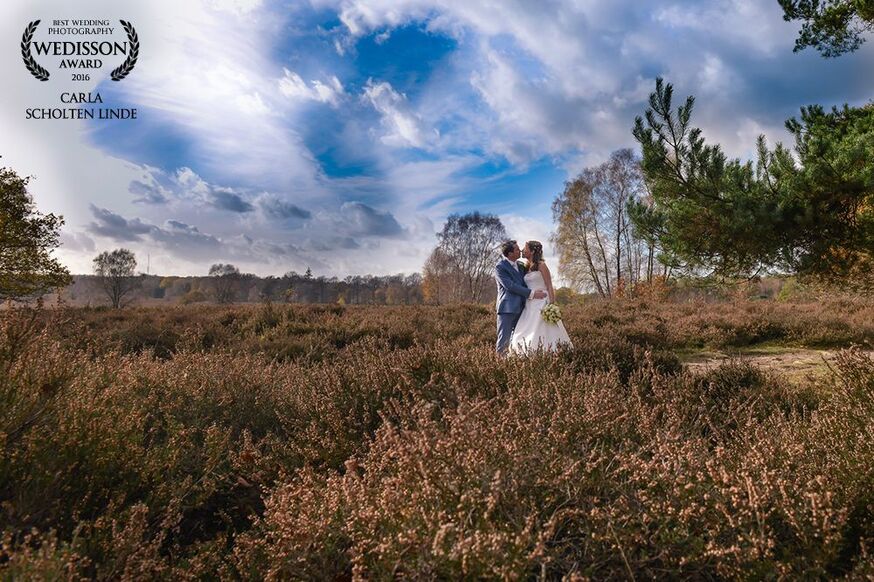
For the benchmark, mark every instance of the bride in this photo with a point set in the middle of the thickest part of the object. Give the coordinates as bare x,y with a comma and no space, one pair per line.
532,332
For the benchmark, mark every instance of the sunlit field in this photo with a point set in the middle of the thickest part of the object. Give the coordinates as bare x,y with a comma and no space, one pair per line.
330,442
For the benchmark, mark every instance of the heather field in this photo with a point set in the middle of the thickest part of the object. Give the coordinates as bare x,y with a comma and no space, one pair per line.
324,442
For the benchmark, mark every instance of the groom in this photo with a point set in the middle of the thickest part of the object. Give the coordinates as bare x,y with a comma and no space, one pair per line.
512,293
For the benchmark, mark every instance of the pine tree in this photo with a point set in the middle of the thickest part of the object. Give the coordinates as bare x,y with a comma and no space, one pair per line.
833,27
814,216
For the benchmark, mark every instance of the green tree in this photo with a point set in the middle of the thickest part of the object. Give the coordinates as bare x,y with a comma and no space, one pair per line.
115,271
27,238
647,226
833,27
830,197
711,215
814,216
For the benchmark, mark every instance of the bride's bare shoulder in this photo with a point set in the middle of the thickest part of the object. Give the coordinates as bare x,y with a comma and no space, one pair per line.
542,267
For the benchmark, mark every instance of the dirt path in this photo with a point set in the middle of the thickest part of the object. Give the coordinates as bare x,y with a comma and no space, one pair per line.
795,363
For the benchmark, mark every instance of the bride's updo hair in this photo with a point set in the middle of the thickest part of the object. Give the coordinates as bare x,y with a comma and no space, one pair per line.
536,254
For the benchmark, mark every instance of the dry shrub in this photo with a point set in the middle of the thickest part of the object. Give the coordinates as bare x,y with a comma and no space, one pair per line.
567,474
323,442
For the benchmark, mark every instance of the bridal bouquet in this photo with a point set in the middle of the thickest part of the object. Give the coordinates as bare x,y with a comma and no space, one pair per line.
551,313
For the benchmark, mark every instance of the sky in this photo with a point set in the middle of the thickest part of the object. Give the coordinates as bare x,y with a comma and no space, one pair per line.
338,135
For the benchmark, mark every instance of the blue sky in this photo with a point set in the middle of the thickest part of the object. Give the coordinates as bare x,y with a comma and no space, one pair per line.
339,134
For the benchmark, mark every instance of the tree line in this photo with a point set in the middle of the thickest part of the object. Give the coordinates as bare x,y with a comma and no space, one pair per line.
116,280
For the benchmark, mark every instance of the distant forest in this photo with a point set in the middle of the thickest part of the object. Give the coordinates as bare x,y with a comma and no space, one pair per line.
86,290
242,288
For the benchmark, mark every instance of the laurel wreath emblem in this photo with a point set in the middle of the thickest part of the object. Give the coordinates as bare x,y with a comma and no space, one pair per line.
127,66
34,67
122,71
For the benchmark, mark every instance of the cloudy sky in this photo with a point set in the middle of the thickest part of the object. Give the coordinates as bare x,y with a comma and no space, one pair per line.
339,134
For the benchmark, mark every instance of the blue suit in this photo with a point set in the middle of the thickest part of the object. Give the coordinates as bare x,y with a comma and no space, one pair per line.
512,294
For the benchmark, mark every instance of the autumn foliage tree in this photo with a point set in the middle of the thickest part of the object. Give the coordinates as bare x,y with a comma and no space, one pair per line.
27,239
598,246
438,281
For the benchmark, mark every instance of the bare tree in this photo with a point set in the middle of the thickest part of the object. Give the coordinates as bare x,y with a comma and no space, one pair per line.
470,243
621,184
115,272
413,284
225,277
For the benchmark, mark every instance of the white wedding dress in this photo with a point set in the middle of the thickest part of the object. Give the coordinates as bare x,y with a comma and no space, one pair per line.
532,332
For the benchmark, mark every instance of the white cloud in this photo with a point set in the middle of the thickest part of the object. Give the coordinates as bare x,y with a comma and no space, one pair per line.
716,78
403,127
293,86
77,242
238,7
562,76
252,105
208,73
750,24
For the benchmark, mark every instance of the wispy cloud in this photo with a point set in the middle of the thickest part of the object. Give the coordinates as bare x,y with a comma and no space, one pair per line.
402,127
330,91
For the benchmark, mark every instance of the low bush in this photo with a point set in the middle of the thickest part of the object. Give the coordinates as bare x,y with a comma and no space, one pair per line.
324,442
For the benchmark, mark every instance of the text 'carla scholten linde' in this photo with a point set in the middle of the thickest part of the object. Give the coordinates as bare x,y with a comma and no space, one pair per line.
81,112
